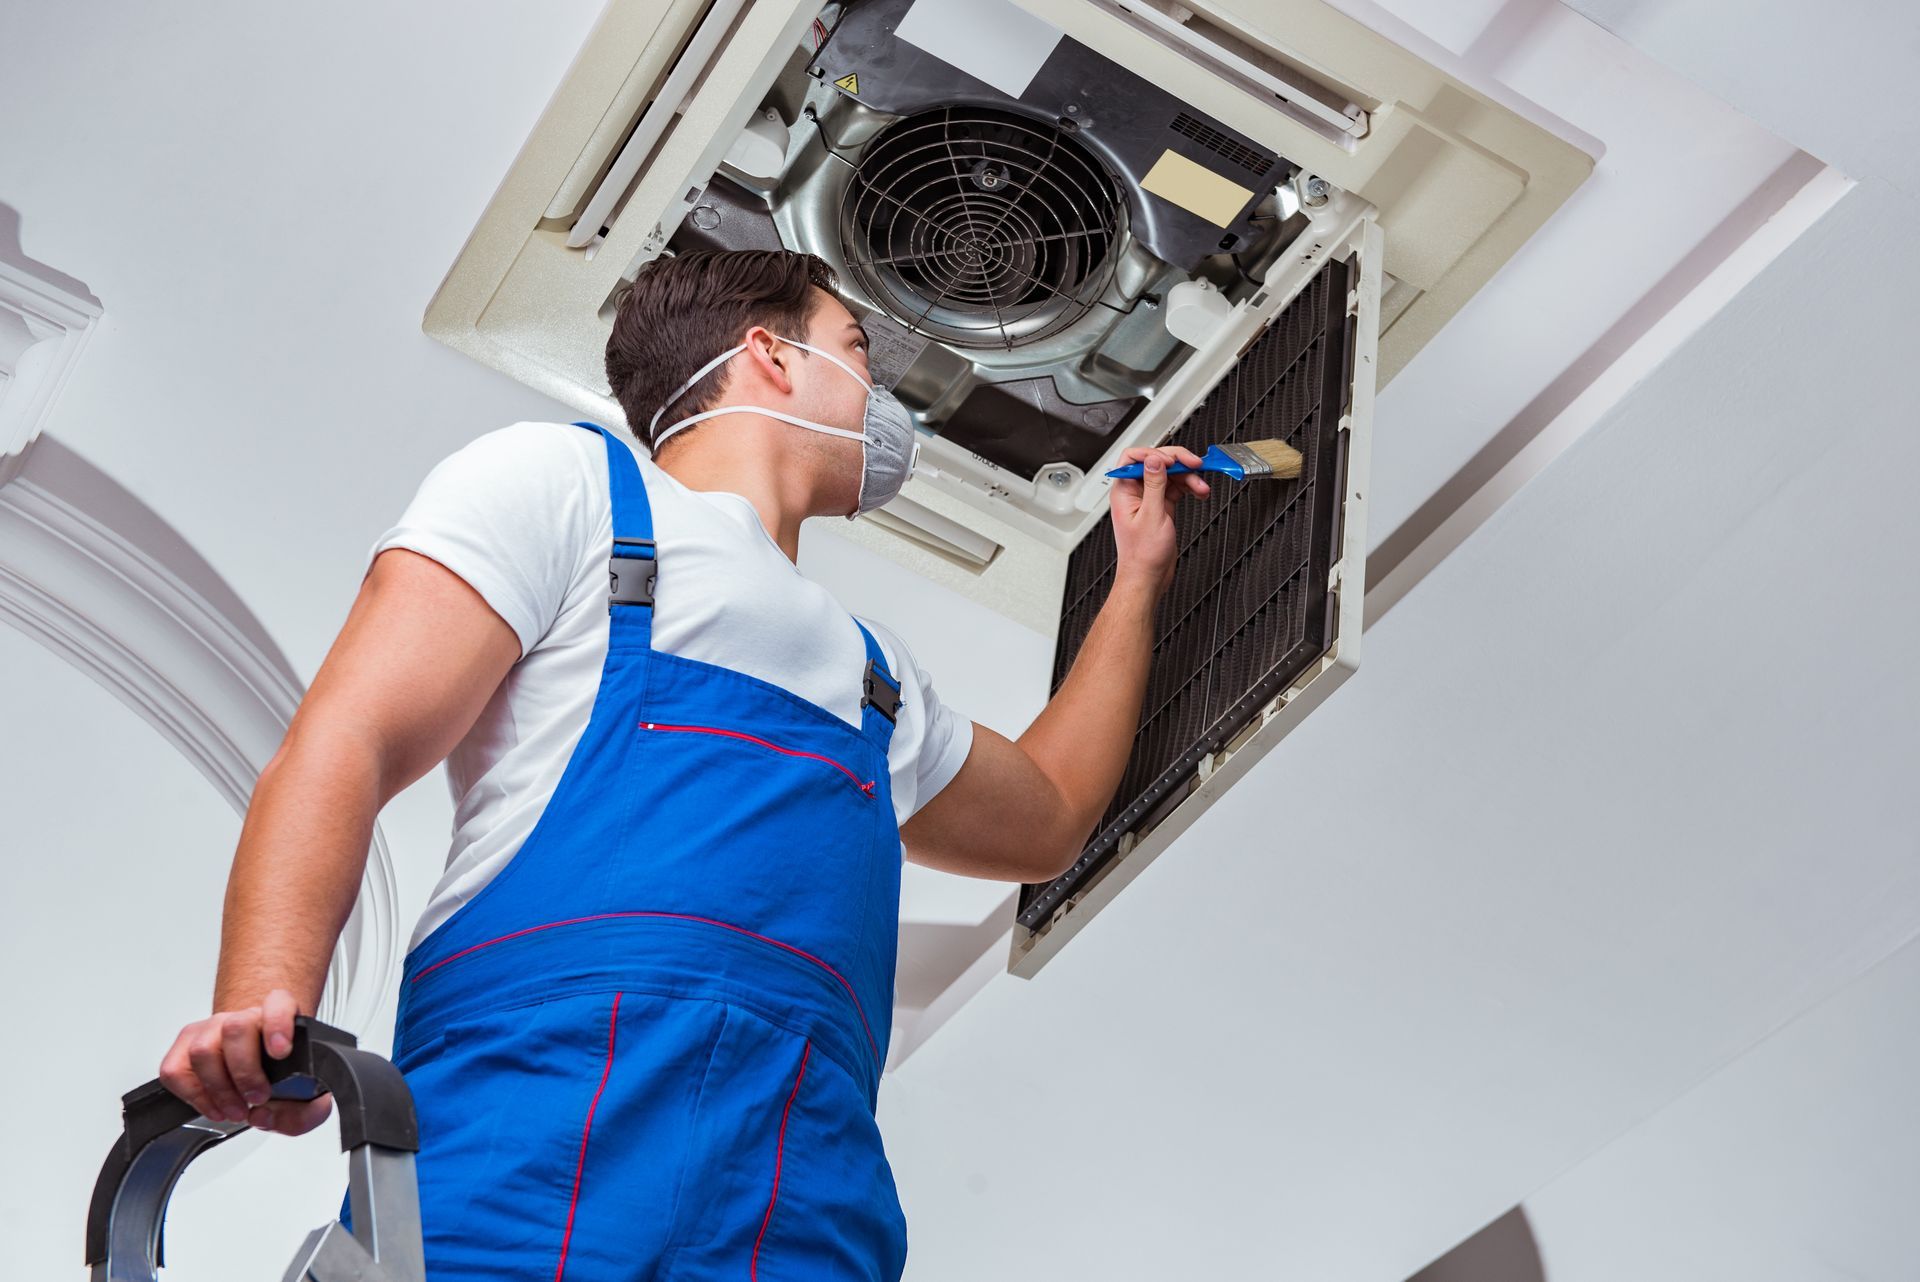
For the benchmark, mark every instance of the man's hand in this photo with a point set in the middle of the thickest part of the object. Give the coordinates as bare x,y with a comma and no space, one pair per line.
1143,532
215,1066
1026,808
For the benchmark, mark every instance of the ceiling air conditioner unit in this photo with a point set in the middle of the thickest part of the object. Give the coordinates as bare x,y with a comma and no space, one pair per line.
1070,226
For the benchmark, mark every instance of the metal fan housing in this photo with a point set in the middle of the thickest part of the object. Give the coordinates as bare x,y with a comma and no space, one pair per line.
980,227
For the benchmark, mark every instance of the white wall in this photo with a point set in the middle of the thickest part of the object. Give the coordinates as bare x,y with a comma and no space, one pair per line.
263,198
1794,1163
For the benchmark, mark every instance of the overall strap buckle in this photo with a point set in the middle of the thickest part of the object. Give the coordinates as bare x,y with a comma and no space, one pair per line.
631,584
878,692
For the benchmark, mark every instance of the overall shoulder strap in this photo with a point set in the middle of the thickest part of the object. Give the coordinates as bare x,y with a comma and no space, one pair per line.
632,566
880,700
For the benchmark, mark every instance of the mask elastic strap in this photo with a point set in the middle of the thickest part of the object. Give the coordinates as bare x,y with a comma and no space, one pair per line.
761,409
722,357
830,356
697,376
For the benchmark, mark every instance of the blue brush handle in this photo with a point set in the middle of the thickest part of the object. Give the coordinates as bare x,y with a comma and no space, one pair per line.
1214,460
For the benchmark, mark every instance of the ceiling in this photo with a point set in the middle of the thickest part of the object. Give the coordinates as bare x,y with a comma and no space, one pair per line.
1550,905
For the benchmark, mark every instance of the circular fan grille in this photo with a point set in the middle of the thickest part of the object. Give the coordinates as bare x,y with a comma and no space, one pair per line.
981,228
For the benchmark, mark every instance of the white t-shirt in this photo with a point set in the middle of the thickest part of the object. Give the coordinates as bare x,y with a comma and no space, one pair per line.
523,515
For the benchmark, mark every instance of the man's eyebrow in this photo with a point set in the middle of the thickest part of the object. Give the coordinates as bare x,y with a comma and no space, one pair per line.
856,325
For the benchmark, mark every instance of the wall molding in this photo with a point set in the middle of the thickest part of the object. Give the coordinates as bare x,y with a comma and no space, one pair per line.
45,321
101,580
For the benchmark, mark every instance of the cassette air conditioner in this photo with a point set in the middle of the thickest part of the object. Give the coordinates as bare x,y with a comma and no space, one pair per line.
1070,227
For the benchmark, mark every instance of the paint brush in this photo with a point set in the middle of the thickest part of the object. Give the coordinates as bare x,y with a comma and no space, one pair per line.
1242,460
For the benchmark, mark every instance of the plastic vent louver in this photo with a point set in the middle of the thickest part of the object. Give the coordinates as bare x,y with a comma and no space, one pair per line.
1249,608
1222,145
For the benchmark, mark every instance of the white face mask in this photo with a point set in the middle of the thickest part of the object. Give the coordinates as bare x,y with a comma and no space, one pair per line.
889,447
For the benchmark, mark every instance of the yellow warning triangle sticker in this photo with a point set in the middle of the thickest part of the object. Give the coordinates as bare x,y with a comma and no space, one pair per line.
850,83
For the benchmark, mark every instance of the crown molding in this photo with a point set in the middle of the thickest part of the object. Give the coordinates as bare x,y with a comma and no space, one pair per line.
101,580
45,321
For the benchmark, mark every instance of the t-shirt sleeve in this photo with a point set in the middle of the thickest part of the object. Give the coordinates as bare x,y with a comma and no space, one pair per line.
936,738
503,512
948,737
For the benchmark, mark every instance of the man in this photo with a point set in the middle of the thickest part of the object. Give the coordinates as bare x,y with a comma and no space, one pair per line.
645,1012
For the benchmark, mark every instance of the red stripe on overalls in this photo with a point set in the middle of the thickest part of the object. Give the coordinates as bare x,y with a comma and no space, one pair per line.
574,921
613,1024
866,787
753,1267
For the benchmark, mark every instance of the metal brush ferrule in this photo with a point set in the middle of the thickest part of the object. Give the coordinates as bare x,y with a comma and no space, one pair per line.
1250,463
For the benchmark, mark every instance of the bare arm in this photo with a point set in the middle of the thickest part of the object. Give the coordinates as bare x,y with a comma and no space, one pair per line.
1022,810
418,658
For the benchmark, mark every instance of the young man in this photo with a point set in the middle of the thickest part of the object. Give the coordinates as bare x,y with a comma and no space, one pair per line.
645,1012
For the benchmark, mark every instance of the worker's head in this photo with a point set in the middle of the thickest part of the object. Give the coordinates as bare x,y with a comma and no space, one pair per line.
751,311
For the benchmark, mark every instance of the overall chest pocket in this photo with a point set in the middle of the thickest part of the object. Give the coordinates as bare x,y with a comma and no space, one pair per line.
789,836
851,776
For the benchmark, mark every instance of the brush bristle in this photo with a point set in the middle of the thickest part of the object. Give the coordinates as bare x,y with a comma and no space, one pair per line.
1281,457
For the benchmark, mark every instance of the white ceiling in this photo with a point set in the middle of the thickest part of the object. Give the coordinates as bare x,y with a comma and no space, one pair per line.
1794,1164
1621,787
1835,78
1655,195
1795,1161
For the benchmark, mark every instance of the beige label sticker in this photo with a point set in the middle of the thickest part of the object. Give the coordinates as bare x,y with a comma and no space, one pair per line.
1197,189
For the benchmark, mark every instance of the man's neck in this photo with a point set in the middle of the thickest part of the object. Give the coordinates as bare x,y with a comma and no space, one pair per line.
778,490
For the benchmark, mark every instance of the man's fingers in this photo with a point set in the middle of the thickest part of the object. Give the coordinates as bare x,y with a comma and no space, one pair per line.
276,1024
1153,490
1132,496
211,1068
177,1075
240,1039
219,1064
290,1116
1188,483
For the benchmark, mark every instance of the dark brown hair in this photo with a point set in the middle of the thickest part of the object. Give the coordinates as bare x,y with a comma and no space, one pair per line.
679,313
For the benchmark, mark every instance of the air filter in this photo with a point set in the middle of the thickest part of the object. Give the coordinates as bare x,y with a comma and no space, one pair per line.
1249,608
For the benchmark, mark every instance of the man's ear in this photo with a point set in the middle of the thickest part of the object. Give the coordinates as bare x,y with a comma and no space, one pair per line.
772,357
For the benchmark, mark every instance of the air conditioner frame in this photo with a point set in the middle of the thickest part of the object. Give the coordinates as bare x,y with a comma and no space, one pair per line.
1433,181
1460,174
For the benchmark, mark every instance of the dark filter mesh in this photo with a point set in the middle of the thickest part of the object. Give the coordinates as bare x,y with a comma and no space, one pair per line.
1248,608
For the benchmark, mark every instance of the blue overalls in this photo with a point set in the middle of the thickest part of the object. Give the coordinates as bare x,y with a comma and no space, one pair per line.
650,1047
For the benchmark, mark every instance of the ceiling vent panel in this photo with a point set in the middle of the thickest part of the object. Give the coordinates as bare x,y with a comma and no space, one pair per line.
1255,602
